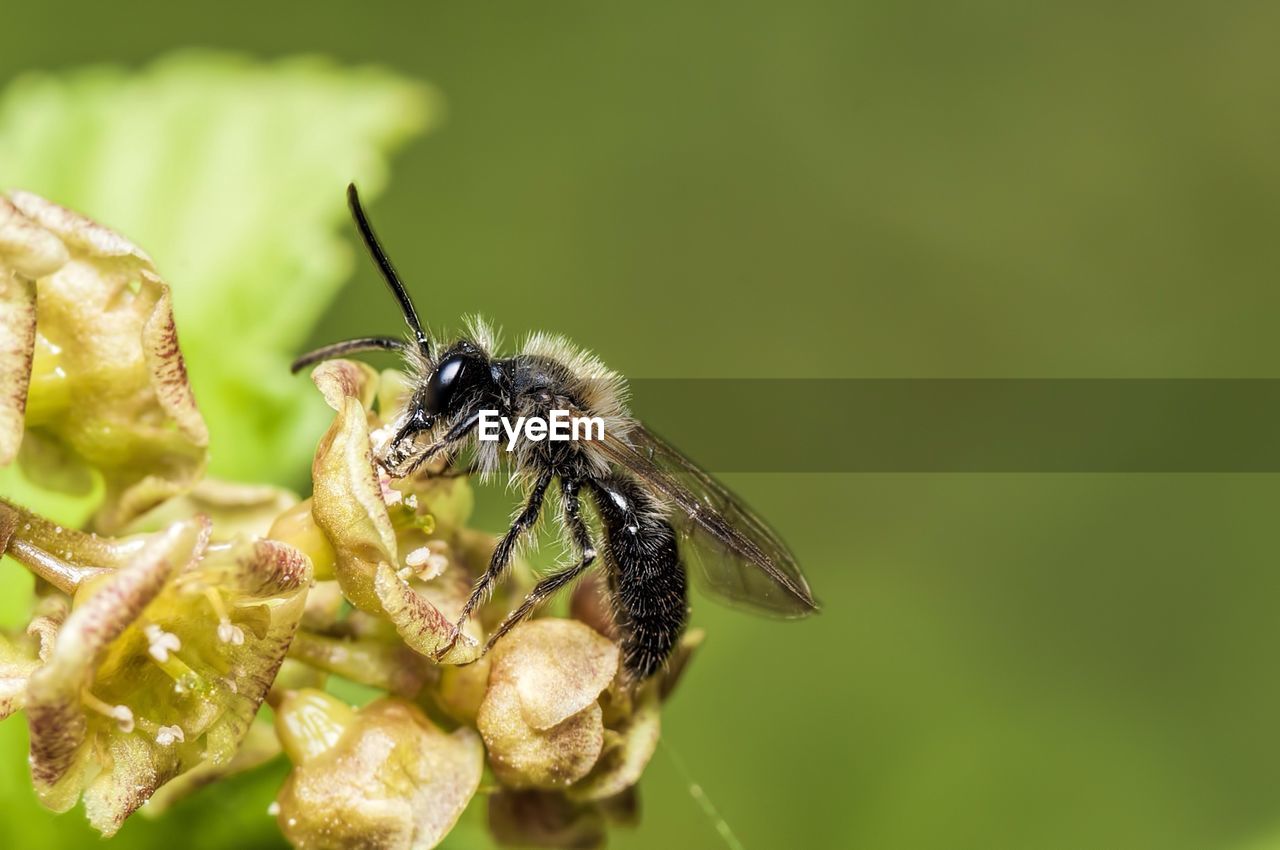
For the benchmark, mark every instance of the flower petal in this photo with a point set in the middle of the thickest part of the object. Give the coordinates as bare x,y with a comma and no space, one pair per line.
27,249
247,510
17,664
541,718
347,502
108,379
524,757
390,779
61,749
17,343
627,754
421,624
558,668
196,707
259,746
339,380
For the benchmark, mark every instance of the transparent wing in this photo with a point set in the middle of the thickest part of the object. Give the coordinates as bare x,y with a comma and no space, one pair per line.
733,554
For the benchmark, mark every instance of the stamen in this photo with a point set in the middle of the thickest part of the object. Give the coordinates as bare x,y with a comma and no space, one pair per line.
185,680
162,643
167,736
228,632
121,714
428,562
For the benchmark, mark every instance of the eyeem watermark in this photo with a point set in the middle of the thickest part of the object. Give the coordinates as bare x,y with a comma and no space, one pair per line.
559,427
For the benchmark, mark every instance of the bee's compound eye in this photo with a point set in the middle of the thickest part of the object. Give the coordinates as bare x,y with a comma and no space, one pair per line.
443,384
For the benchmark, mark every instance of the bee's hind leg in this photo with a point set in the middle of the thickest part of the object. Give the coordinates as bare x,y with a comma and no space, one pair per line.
501,560
550,585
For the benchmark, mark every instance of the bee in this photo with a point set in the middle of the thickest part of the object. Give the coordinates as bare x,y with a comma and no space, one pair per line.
654,507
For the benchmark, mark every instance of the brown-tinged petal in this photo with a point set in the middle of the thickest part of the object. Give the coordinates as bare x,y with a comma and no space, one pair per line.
51,612
420,623
377,573
17,347
347,501
27,253
383,777
174,681
544,819
195,669
297,527
541,718
70,726
108,379
339,380
27,249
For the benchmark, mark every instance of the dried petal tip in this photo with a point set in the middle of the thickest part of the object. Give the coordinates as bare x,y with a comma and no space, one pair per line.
383,777
541,719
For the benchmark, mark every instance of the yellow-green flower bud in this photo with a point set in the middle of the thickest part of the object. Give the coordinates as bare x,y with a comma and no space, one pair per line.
541,719
382,777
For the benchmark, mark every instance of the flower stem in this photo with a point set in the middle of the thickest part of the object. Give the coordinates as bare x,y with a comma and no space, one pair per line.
62,575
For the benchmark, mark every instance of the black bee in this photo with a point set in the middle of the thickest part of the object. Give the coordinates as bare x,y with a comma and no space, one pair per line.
652,502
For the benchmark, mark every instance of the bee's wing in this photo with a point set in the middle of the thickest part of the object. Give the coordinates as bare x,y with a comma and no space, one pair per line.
735,556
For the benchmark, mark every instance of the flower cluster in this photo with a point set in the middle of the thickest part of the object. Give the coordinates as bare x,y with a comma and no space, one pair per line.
159,639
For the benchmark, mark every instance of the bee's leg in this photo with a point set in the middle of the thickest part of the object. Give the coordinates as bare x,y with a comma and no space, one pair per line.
550,585
455,435
501,559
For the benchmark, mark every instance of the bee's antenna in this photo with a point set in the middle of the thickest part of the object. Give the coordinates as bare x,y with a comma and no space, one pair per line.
388,271
350,346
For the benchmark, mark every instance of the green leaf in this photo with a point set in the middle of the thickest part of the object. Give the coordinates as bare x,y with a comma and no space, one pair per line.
231,174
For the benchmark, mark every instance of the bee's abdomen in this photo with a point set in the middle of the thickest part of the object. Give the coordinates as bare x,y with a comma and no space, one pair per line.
646,577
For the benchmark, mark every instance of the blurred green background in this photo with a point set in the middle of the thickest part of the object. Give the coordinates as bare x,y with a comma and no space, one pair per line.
855,189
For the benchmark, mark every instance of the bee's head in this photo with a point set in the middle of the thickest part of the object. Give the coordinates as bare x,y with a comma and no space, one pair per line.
451,387
462,375
456,384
